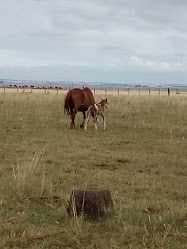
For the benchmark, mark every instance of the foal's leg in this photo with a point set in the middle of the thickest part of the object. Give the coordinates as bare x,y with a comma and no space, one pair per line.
95,123
87,120
104,121
84,117
95,120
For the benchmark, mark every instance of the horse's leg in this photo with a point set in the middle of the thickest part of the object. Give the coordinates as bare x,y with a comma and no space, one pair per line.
73,119
84,117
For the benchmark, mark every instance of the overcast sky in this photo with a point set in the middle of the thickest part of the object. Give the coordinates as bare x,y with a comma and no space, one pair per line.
127,41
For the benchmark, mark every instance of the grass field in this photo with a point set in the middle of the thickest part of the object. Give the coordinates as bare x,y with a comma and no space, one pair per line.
141,157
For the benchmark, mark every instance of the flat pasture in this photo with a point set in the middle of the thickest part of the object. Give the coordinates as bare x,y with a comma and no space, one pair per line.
141,157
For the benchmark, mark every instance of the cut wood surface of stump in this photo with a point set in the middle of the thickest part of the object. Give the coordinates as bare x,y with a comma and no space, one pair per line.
93,202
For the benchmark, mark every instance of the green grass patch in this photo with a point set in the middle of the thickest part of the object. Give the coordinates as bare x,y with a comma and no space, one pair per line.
141,157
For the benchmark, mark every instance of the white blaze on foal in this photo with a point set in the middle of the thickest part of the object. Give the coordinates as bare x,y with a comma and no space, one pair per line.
95,110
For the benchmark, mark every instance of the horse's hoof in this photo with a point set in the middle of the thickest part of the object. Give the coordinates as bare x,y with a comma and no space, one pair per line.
81,126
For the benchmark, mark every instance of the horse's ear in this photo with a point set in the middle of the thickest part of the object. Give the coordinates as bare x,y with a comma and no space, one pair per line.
106,99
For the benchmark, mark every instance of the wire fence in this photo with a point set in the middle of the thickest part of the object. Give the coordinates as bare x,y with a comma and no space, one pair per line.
100,91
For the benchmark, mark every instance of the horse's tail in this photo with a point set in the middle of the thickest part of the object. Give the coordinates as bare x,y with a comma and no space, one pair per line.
67,104
66,107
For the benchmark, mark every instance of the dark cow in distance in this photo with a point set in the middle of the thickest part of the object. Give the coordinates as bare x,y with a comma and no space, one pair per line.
78,100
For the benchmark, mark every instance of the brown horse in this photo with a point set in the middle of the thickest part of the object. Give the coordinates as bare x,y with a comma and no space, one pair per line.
78,100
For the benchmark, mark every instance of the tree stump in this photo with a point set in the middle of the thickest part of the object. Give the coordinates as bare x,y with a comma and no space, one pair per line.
93,202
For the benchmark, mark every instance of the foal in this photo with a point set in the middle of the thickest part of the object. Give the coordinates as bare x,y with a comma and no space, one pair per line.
95,110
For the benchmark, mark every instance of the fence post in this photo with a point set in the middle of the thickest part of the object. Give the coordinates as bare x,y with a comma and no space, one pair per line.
149,91
139,91
118,91
168,91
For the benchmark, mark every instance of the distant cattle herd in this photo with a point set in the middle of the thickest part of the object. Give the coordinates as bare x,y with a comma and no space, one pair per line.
38,87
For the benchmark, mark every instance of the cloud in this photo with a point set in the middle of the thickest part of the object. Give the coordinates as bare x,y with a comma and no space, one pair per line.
117,36
155,65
